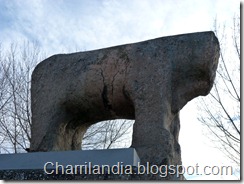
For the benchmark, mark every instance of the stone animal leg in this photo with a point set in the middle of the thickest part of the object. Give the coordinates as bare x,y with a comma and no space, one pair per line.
175,130
156,145
55,130
159,149
74,133
48,126
153,149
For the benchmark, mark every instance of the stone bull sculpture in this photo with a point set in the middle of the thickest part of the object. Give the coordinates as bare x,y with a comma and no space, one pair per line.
149,81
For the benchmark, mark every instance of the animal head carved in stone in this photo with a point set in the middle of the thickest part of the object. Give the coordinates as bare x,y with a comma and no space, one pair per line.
193,67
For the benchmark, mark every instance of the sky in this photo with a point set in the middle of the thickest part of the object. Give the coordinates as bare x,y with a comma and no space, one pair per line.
60,26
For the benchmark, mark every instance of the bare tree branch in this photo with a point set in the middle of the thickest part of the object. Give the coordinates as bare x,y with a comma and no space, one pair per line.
220,111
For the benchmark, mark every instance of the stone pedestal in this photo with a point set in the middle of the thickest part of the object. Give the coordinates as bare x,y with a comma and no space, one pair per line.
111,164
37,160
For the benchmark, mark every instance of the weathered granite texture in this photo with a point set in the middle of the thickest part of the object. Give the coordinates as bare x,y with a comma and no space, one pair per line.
148,81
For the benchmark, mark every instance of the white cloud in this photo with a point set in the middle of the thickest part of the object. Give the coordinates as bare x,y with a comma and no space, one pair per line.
62,25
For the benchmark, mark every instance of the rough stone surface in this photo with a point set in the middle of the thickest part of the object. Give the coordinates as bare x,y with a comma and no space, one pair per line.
35,174
148,81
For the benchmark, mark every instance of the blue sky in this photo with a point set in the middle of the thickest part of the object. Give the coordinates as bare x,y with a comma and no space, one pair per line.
78,25
89,24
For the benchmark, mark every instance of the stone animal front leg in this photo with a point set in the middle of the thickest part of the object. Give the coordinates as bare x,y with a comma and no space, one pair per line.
153,144
156,145
152,137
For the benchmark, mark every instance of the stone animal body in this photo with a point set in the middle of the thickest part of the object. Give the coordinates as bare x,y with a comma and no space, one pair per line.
148,81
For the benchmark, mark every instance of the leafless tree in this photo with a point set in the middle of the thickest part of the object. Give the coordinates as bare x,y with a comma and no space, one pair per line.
15,116
220,111
108,134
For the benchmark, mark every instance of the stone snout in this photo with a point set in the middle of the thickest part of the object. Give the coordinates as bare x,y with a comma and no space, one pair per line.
194,69
148,81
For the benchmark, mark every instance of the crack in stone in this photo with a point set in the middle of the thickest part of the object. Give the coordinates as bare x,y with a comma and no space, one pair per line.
105,99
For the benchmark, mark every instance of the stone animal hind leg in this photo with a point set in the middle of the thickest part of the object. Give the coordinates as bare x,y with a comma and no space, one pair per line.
68,135
49,129
75,131
53,129
175,129
44,127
